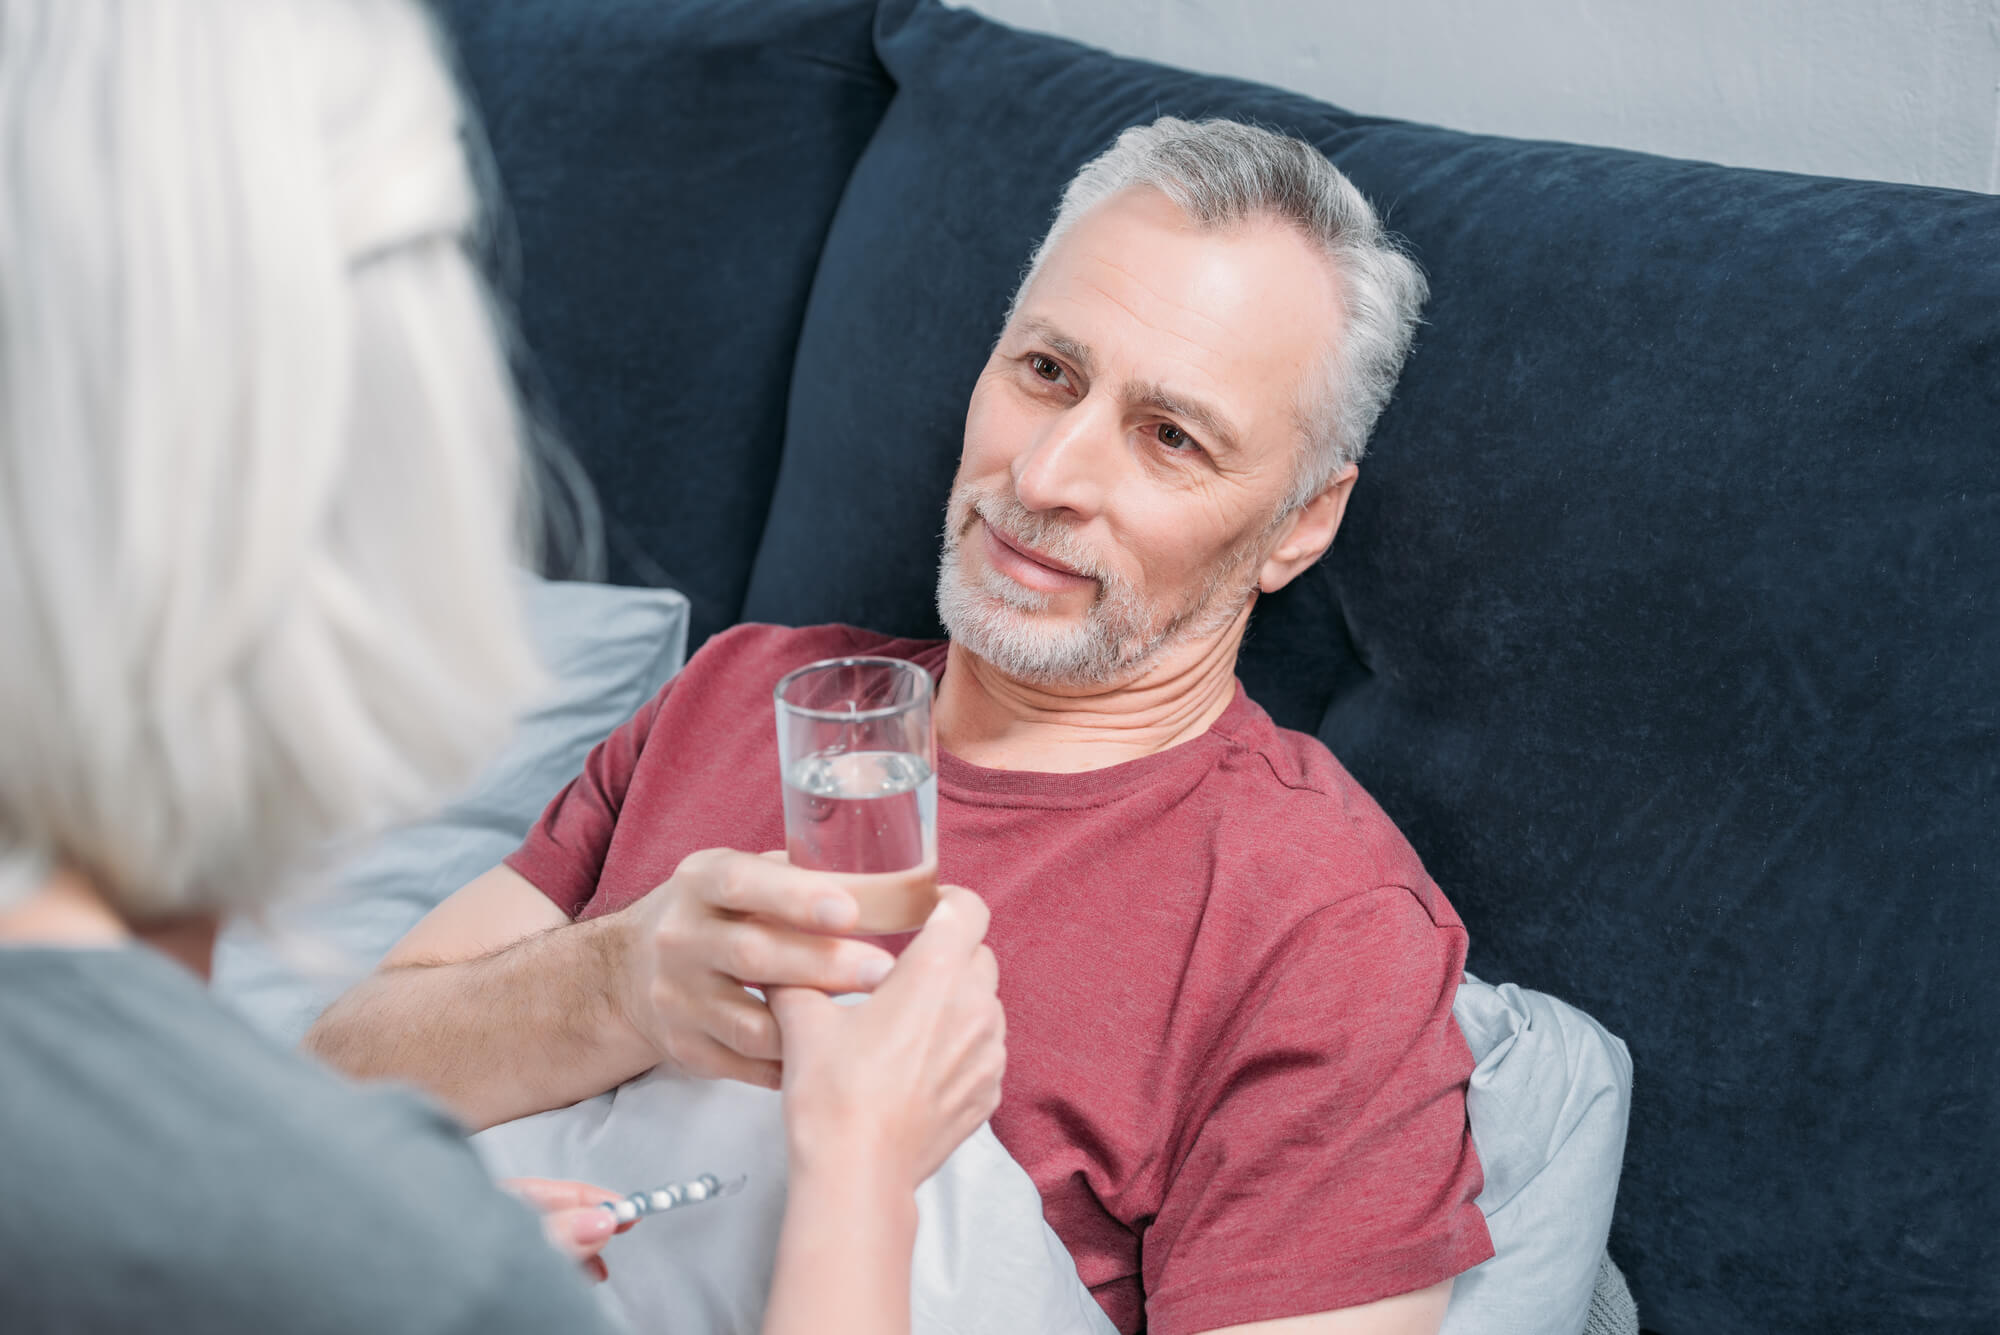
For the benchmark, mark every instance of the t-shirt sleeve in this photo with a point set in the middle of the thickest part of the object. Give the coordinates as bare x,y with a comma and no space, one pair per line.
563,854
1326,1161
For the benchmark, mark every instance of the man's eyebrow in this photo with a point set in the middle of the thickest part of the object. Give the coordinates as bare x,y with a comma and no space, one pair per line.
1211,425
1058,342
1213,428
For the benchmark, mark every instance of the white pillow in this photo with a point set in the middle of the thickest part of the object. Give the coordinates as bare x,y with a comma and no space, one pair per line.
608,649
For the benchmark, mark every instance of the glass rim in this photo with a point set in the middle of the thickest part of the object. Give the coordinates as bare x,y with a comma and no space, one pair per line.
899,665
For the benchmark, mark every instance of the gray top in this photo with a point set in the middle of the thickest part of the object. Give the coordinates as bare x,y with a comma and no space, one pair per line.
163,1167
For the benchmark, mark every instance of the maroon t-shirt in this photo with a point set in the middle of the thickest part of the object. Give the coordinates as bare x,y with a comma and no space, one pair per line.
1232,1069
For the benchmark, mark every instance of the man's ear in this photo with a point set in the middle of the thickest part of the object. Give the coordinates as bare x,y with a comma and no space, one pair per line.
1307,533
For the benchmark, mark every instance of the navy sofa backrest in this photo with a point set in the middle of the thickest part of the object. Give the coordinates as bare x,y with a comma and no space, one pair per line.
671,171
1665,619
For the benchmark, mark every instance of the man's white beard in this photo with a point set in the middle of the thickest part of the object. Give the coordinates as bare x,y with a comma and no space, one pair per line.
1119,636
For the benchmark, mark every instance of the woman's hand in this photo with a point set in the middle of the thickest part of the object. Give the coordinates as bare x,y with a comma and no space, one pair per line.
877,1095
896,1082
574,1219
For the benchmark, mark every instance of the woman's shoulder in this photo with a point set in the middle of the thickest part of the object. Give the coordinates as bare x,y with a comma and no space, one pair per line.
169,1165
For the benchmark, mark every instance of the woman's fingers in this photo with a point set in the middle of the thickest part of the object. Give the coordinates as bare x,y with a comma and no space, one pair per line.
579,1233
548,1193
799,1009
948,940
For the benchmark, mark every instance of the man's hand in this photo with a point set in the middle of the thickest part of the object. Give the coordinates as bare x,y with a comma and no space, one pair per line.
723,921
574,1219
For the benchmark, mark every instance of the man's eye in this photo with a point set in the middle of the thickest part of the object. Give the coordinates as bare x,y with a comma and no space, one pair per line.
1173,437
1046,367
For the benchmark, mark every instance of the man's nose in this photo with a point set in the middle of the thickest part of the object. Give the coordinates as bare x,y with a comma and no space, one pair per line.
1069,466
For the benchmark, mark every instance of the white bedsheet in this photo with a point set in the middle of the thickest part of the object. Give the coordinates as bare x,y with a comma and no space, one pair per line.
1547,1103
985,1264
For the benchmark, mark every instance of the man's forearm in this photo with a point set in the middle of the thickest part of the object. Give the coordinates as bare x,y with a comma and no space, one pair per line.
531,1027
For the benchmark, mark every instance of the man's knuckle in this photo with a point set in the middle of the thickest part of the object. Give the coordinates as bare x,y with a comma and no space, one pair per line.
671,934
742,953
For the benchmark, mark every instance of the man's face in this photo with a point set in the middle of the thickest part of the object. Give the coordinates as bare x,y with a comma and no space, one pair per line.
1131,441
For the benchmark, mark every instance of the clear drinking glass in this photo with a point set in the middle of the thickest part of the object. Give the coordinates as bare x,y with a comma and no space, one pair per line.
859,767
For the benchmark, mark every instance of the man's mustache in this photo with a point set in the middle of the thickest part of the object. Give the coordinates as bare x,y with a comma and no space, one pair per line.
1048,535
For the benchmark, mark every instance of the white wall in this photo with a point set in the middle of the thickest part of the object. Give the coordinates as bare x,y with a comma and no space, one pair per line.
1896,90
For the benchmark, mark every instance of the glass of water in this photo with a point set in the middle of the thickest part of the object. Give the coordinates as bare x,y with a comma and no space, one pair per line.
860,773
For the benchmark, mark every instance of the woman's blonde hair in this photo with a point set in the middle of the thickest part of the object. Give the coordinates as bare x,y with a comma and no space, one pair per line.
261,467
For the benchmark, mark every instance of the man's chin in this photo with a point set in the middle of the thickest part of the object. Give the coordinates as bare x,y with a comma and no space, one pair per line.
1039,648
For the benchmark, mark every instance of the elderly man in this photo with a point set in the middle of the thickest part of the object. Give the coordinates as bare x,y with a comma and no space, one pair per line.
1234,1073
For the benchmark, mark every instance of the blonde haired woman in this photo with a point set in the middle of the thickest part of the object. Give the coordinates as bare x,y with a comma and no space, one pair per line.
260,477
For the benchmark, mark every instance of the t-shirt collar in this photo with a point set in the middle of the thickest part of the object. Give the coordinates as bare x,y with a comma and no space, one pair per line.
962,781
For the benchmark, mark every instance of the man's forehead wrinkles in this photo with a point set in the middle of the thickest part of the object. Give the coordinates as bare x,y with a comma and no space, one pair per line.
1203,351
1138,280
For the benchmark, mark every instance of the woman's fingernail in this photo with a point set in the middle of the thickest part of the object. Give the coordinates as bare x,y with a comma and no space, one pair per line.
591,1226
873,970
833,911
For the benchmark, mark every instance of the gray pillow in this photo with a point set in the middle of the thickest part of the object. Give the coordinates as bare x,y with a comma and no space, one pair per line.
607,651
1548,1103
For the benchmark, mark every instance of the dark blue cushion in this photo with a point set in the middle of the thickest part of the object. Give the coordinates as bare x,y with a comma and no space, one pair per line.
672,169
1665,621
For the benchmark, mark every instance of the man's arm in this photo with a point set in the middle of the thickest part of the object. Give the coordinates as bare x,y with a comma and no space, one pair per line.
1419,1313
1349,1134
496,1003
500,1006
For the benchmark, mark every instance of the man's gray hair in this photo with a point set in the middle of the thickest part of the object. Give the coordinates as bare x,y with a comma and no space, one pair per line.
1222,173
260,457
